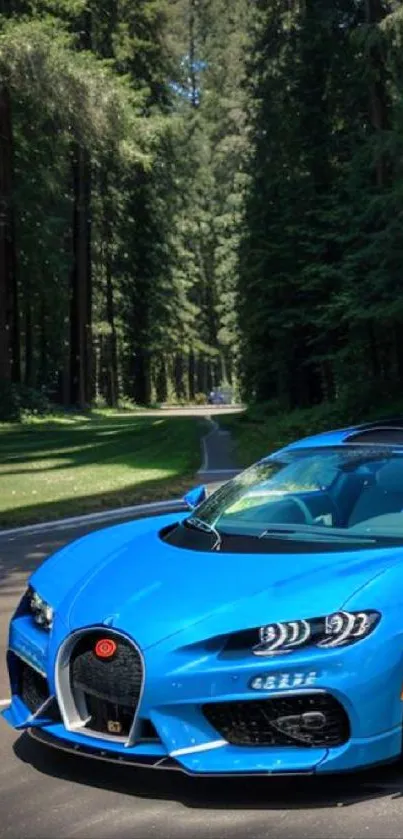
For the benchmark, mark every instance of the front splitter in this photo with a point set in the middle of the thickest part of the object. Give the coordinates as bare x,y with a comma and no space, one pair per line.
146,761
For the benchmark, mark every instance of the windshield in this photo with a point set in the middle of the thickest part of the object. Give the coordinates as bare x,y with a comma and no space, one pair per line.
351,493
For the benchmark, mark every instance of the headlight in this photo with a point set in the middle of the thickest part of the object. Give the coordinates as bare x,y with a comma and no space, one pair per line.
335,630
41,612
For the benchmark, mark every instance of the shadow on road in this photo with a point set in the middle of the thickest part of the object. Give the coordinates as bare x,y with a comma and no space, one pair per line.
19,558
234,794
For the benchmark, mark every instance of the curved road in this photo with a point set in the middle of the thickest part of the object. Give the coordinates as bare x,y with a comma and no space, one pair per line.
44,793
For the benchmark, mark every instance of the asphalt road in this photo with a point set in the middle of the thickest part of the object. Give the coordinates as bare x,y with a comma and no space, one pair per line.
44,793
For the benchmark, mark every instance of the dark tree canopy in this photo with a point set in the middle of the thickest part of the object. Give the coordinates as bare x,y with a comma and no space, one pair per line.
321,242
197,193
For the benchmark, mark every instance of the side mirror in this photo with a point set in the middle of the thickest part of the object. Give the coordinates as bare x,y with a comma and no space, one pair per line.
195,497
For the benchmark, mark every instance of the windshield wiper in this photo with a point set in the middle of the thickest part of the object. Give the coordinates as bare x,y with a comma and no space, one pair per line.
311,533
199,524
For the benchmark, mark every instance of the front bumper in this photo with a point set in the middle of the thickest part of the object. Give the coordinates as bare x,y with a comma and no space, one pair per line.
233,762
365,678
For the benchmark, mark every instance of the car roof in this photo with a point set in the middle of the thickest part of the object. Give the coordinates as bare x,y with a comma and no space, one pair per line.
385,432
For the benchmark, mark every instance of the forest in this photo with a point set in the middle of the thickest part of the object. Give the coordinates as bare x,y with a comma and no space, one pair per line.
195,193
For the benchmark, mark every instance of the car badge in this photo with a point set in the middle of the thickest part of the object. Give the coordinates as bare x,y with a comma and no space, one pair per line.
105,648
114,727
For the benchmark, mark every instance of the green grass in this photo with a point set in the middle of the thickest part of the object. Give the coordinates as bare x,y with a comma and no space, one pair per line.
263,429
78,464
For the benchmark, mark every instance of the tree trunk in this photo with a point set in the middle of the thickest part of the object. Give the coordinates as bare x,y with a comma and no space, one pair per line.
140,371
179,373
374,13
328,381
87,225
191,375
81,376
202,384
10,365
161,384
112,384
113,394
373,351
192,54
223,368
209,376
305,380
102,368
80,308
43,348
398,342
28,377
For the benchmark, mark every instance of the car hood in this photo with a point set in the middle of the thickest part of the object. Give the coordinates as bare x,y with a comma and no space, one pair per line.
132,580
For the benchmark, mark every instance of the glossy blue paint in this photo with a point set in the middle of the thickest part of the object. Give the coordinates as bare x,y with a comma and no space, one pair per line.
199,595
195,496
328,438
173,601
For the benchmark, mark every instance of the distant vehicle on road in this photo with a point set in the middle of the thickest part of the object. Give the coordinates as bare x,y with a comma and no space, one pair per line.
221,396
215,397
258,632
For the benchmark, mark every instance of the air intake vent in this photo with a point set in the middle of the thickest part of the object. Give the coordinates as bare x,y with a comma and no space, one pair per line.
34,692
310,720
34,688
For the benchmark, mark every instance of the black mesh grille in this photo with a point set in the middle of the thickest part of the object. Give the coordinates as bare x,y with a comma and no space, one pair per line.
307,720
34,689
111,718
111,687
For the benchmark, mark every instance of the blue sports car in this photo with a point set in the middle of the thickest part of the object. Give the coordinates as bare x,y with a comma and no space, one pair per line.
259,632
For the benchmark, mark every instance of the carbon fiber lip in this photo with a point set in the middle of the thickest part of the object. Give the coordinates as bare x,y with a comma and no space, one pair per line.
146,762
153,762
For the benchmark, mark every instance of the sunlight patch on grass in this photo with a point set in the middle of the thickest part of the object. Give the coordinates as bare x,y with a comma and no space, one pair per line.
55,469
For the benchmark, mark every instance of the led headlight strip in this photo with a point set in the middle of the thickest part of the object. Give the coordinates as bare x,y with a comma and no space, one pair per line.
278,635
336,630
40,610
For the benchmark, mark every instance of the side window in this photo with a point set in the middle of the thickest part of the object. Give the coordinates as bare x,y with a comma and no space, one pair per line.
305,475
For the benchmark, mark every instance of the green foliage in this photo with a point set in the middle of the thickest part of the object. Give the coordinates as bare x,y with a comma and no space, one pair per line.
238,210
78,92
211,143
17,401
264,427
321,246
147,95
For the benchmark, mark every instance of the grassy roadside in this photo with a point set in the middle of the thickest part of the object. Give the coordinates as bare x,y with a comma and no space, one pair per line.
78,464
262,429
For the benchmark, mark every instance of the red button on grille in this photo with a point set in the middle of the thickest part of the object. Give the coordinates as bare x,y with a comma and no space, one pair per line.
105,648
